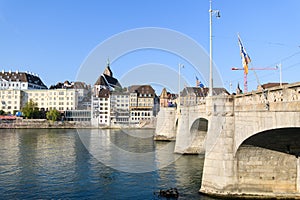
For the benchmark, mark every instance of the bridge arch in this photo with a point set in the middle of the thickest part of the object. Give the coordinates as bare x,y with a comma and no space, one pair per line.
198,132
199,124
248,124
270,158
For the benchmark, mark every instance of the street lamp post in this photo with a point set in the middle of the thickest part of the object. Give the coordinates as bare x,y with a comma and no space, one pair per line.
178,106
211,13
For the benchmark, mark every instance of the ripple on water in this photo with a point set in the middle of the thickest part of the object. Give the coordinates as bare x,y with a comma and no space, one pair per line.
54,164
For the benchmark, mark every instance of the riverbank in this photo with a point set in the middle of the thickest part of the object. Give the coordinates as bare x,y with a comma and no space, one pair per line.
45,124
42,124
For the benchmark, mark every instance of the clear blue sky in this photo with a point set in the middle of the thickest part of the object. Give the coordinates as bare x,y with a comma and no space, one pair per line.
53,37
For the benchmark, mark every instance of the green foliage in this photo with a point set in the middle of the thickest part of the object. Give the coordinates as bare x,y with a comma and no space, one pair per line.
30,110
53,115
2,112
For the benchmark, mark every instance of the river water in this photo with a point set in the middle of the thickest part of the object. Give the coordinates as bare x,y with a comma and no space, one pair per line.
93,164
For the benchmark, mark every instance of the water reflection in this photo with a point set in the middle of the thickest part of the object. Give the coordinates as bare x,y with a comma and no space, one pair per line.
127,153
54,164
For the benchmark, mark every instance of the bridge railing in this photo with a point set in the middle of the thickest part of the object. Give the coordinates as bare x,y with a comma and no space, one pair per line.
285,98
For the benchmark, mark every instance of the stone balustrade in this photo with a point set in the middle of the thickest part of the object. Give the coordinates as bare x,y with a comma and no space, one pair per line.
286,97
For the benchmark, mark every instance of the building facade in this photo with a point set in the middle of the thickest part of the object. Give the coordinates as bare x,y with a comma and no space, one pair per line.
20,81
120,102
141,103
11,100
191,96
59,99
100,106
13,86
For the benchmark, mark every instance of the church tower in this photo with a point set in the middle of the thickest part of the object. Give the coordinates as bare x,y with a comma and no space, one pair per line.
107,70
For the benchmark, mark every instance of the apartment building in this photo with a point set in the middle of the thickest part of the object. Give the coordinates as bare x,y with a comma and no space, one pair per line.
12,85
141,103
20,81
191,96
59,99
119,109
101,108
11,100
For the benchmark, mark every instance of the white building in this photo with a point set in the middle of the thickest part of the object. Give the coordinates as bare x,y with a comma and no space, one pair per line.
59,99
100,106
120,102
141,103
20,81
11,100
12,85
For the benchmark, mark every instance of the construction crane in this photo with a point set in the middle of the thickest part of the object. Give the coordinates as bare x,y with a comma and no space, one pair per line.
245,74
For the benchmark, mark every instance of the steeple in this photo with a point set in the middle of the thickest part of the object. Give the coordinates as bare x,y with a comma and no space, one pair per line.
107,70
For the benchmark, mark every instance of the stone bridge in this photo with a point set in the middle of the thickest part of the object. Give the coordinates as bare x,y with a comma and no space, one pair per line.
251,142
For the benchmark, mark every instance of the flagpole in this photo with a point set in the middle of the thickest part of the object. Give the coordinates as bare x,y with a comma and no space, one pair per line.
210,50
280,74
178,106
179,85
211,13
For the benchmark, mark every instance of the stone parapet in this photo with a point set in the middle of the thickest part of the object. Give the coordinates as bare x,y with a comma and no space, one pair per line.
280,98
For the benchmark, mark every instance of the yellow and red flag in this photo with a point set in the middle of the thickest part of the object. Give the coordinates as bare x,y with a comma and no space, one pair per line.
245,57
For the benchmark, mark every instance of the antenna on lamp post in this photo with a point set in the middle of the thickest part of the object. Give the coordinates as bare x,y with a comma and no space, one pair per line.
211,13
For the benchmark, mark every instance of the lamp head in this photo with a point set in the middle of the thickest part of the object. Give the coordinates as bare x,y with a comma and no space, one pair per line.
218,14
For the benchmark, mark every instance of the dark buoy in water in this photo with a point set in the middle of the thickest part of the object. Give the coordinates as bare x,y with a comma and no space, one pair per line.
170,193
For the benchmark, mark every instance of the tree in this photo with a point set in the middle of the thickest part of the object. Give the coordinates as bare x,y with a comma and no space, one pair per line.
2,112
30,110
53,115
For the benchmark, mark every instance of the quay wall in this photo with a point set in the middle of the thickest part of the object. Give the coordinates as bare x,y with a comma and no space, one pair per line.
42,123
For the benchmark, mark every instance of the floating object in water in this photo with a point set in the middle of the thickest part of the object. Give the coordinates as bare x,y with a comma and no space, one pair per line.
170,193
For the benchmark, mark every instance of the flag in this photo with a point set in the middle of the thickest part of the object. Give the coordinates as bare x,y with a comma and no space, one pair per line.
198,83
245,57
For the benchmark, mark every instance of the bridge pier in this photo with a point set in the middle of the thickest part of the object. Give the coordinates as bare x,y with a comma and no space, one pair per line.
191,130
220,164
166,124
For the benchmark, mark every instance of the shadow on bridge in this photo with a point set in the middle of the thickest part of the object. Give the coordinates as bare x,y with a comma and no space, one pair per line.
285,140
268,162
